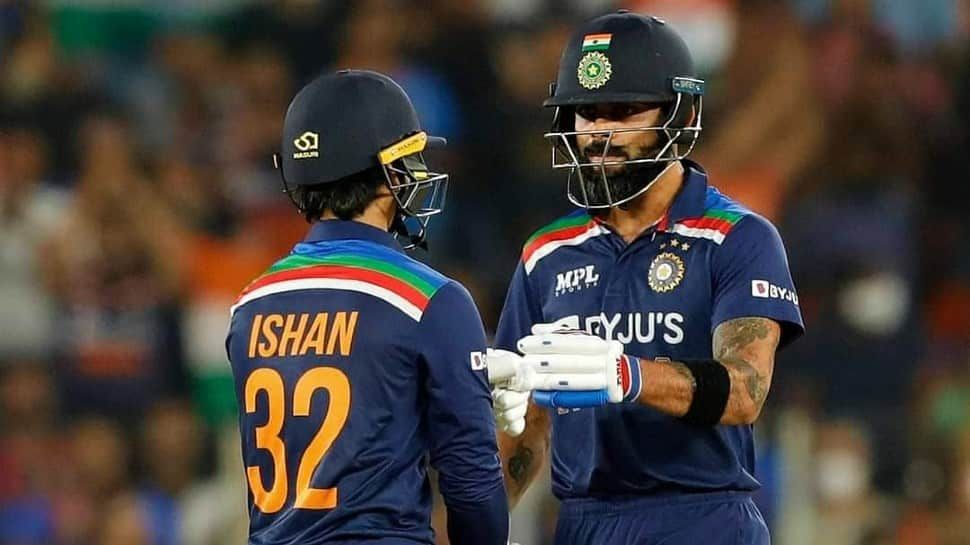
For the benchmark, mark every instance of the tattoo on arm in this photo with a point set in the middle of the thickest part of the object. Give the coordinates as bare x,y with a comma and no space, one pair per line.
519,463
732,340
753,381
684,372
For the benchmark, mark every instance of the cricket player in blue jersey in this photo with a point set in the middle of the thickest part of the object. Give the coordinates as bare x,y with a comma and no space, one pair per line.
647,320
354,363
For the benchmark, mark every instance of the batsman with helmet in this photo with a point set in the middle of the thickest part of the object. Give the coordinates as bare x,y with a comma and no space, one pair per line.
644,325
345,382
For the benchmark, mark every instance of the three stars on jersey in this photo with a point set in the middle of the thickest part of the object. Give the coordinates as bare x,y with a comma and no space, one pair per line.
667,269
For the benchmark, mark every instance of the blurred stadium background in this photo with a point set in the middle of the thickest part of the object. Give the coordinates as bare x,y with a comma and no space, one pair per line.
137,197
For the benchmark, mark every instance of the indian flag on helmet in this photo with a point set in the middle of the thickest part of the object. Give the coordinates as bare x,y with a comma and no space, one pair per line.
596,42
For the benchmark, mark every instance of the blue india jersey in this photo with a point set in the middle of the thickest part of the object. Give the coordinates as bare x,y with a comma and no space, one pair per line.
708,260
355,366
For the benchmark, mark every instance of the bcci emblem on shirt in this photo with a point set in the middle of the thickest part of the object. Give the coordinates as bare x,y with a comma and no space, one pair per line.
666,272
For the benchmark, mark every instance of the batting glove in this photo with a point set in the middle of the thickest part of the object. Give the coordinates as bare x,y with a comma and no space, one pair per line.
571,368
510,394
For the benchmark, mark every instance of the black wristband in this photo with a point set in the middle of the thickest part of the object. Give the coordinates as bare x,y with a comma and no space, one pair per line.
713,387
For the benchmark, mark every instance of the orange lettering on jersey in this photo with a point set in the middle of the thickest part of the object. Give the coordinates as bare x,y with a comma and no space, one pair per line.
315,337
342,331
267,347
291,337
281,335
254,334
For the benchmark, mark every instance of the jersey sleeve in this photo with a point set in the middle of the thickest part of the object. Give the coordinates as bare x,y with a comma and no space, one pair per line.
751,278
520,312
459,415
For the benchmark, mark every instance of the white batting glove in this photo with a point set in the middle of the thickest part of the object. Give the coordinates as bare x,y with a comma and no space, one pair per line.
510,397
509,408
571,368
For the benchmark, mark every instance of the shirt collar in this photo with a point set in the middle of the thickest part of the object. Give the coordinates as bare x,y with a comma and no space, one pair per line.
327,230
690,200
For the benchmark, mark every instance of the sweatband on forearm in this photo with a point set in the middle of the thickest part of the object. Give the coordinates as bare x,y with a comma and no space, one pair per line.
711,392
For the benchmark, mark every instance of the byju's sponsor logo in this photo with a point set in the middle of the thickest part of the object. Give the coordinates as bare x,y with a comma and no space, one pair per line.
640,327
766,290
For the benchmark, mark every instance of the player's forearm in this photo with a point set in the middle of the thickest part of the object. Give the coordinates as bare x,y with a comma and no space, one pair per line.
744,347
669,387
523,456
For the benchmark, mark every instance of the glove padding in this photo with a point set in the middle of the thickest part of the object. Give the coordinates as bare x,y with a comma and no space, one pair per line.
571,368
510,399
509,408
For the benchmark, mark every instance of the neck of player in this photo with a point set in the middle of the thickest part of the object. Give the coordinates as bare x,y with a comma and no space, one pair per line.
647,209
379,213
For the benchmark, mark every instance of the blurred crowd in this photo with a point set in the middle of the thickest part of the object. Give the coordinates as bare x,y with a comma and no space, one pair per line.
137,197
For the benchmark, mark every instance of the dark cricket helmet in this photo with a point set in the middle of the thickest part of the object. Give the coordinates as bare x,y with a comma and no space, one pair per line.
349,121
624,57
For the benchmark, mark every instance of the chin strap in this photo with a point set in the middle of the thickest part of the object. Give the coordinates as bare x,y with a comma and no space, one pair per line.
401,232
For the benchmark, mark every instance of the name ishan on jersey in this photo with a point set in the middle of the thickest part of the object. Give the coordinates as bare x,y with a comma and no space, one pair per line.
642,327
322,334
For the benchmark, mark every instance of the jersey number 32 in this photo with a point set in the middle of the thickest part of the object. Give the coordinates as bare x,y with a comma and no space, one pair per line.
268,438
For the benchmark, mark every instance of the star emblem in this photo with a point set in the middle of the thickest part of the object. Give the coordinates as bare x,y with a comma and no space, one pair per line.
664,245
665,273
594,70
685,246
675,243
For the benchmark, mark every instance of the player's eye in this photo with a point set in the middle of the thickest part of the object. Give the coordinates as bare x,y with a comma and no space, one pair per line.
586,112
629,110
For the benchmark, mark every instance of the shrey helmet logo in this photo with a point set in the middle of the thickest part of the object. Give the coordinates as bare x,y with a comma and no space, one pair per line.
666,272
308,143
594,70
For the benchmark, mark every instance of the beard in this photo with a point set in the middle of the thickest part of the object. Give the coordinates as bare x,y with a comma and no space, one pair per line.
622,181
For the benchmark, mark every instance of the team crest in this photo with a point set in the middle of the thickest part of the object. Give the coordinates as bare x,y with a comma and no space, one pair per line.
666,272
594,70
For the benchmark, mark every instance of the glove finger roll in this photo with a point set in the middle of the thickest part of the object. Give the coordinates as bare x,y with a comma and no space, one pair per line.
568,381
514,413
565,363
558,343
504,399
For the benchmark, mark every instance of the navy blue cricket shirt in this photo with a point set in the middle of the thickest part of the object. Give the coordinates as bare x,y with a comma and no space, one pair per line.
708,260
353,365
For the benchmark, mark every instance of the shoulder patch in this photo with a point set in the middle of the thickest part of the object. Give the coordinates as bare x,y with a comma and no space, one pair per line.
571,230
400,281
721,214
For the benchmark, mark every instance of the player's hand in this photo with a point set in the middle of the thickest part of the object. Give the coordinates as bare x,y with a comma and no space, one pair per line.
510,396
509,408
506,369
571,368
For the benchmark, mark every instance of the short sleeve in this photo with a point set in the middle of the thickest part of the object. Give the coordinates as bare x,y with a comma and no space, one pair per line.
751,278
520,312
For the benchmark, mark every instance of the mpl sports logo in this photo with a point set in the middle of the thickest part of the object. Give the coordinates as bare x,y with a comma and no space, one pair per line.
766,290
576,280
